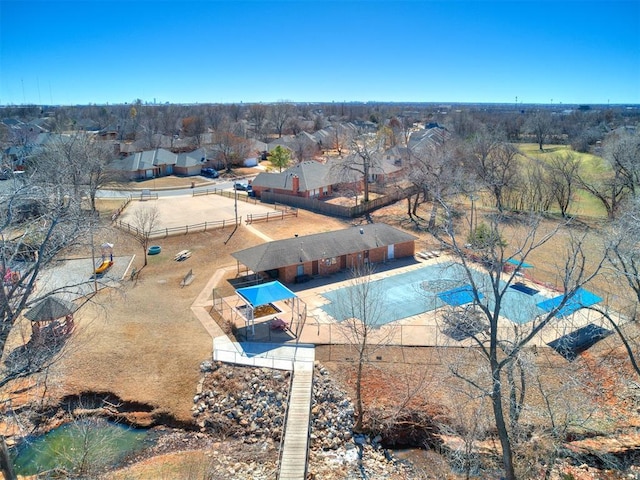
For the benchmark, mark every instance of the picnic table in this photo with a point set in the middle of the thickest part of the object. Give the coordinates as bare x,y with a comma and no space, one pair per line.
278,324
182,255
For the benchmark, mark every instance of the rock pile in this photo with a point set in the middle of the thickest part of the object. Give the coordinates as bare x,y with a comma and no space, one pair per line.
249,404
242,402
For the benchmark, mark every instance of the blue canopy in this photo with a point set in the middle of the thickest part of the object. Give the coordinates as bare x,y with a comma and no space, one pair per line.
582,298
517,263
458,296
265,293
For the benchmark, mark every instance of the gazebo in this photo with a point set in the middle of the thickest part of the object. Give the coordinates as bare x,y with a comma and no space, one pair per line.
267,293
52,317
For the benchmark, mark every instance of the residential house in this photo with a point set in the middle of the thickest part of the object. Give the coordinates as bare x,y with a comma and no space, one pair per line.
300,258
190,163
143,165
308,179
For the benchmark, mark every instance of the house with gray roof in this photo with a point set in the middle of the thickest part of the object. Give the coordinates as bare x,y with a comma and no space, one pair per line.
190,163
308,179
301,258
159,163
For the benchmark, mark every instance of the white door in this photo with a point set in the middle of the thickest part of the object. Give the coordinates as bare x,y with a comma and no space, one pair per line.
390,252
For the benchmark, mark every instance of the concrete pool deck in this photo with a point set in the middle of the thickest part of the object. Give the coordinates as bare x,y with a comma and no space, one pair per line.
425,329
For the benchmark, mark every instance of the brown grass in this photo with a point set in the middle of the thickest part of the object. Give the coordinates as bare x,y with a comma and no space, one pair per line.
142,343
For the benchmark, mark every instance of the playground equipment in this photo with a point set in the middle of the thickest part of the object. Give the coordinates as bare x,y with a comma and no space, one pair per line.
104,266
107,259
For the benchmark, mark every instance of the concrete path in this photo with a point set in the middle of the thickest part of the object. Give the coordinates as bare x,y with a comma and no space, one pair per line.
298,358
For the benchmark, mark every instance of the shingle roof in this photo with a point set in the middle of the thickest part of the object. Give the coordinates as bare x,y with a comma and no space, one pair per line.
190,159
312,175
281,253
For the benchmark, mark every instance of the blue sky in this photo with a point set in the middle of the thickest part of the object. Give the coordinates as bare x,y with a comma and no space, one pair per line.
79,52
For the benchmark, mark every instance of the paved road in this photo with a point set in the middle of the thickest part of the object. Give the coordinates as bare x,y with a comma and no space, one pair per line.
219,184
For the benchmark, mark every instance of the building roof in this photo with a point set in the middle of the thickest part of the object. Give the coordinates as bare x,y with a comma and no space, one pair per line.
291,251
312,175
49,309
190,159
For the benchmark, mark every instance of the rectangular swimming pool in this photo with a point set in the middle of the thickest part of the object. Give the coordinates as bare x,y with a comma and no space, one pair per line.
415,292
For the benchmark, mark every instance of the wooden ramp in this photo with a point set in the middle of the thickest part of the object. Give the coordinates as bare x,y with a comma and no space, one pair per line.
293,460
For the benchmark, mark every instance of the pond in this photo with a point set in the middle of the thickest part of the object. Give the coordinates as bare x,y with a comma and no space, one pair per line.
82,447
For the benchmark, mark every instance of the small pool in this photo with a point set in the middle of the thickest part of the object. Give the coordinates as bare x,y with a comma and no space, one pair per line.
415,292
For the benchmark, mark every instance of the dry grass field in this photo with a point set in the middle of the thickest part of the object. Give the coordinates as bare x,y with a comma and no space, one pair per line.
142,343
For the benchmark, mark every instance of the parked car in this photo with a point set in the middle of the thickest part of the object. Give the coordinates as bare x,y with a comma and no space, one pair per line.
245,187
209,172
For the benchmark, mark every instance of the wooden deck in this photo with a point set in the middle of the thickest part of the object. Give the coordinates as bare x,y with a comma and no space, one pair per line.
293,462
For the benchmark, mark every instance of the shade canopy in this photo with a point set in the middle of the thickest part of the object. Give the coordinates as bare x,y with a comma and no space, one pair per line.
49,309
265,293
458,296
519,263
581,299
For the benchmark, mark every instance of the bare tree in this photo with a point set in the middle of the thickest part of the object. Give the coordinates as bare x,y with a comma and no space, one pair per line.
280,114
360,308
232,149
502,352
564,171
433,169
195,127
362,160
80,160
495,163
38,221
144,222
619,175
257,116
540,125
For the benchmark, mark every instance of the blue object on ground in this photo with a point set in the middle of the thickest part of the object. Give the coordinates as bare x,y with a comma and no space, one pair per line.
521,287
581,299
576,342
459,296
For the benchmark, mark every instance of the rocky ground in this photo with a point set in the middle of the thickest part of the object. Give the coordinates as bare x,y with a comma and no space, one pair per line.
248,404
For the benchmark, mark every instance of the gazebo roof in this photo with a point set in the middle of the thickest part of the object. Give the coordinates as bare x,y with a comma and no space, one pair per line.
49,309
265,293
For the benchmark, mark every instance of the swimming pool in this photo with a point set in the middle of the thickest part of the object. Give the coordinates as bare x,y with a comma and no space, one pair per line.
415,292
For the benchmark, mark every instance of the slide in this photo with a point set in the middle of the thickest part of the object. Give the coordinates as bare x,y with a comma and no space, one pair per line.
103,267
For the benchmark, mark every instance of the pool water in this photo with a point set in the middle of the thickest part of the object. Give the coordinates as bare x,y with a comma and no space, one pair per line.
415,292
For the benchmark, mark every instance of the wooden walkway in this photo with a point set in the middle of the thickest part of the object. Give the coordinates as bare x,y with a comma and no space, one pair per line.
295,448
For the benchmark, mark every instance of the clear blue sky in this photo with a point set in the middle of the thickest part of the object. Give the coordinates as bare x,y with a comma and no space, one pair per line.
79,52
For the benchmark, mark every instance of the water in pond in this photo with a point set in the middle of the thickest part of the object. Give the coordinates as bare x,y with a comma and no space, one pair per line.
82,447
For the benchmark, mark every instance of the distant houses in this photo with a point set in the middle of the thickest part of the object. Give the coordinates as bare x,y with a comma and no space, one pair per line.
159,163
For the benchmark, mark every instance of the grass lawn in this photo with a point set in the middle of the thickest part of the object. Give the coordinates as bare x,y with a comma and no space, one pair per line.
584,204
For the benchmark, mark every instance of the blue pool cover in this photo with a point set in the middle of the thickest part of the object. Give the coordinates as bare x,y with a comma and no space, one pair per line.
571,345
582,298
518,263
520,287
458,296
